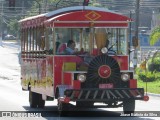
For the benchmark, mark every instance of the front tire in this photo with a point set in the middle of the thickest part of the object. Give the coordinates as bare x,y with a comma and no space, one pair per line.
128,106
62,107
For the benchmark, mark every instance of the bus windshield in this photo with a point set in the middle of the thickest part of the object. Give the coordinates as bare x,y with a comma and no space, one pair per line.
89,39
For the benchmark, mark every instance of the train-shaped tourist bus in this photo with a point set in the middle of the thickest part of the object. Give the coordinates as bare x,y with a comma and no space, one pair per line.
78,54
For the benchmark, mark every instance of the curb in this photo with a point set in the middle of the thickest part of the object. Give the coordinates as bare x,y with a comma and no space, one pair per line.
152,94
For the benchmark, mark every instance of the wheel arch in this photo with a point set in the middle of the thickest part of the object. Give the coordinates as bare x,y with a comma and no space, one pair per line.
60,90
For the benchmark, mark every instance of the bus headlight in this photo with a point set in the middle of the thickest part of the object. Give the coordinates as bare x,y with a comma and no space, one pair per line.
125,77
81,77
104,50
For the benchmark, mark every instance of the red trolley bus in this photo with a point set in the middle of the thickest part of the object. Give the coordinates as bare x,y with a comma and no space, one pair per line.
98,72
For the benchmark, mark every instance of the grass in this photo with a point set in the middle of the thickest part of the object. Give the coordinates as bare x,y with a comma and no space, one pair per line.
152,87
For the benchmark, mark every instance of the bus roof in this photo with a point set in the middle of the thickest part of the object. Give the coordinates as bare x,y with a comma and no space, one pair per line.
70,14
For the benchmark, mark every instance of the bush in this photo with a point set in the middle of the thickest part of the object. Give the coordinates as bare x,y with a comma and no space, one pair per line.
157,76
152,72
138,70
153,65
148,76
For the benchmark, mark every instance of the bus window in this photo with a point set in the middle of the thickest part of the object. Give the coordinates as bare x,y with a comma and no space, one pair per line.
117,39
66,34
50,41
49,35
123,41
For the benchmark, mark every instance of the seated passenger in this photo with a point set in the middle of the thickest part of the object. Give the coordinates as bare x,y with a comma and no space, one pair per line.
57,46
61,48
70,48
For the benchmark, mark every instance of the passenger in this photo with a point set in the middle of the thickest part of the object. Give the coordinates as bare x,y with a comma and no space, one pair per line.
57,45
71,50
70,47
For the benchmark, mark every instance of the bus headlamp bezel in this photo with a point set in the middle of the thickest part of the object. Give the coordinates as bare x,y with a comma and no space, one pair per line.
125,77
81,77
104,50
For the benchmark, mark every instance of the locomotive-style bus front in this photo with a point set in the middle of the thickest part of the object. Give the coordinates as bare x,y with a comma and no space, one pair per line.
97,70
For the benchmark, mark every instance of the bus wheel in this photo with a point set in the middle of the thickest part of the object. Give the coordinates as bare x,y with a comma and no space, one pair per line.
128,106
33,98
62,106
41,102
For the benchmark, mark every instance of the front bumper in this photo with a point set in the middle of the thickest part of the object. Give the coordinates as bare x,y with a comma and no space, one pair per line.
103,95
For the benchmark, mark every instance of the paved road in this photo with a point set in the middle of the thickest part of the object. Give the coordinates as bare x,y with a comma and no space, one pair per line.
12,98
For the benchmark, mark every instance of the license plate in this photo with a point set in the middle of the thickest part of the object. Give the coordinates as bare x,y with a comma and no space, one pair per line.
110,85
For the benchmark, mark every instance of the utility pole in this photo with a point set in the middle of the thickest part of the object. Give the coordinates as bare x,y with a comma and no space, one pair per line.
45,6
136,33
130,38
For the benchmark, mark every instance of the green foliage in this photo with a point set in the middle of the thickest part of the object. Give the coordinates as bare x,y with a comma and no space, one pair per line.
155,35
150,65
138,70
152,87
152,71
156,60
153,64
147,76
13,26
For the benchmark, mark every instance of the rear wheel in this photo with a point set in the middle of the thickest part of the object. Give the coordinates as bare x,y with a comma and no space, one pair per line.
36,100
33,98
128,106
41,102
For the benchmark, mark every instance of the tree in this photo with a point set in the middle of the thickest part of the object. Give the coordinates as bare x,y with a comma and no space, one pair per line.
155,35
13,27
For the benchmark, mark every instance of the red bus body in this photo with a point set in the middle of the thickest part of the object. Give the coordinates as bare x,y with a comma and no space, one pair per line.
56,76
